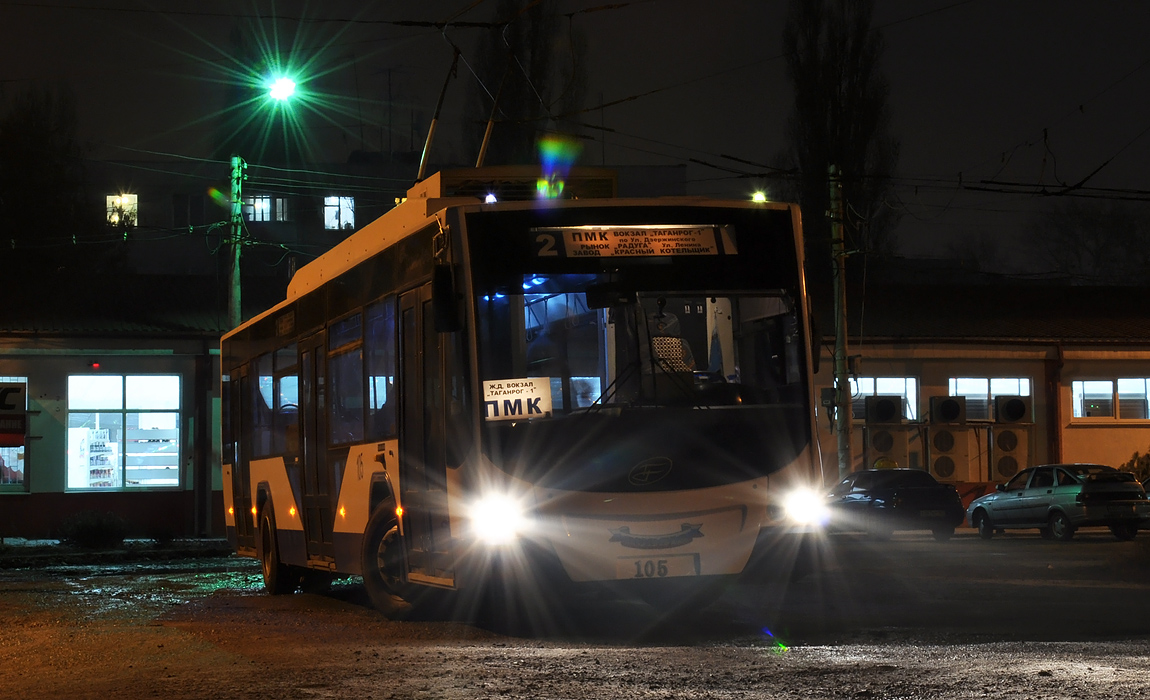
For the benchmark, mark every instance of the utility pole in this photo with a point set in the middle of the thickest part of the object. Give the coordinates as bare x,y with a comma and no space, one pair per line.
842,381
235,315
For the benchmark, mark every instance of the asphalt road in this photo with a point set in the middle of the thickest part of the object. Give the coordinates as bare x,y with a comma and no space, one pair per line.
1015,617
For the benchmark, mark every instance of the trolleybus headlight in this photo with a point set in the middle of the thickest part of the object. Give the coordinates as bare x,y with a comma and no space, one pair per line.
806,507
498,519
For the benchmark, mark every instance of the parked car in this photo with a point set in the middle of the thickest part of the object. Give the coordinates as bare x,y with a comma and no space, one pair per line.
1060,498
880,501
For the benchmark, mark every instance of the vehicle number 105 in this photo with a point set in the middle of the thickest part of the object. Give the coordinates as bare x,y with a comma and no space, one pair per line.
662,567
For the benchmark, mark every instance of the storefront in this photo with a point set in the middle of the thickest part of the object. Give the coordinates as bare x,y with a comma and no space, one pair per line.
113,425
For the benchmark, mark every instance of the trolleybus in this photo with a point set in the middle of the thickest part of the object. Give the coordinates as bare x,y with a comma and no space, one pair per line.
603,390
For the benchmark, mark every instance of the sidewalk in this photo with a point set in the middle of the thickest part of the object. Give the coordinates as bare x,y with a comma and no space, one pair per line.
19,553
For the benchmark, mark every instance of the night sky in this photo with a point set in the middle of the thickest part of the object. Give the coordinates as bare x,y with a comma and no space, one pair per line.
974,85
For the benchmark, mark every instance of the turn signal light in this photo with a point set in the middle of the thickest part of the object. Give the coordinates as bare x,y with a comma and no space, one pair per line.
399,511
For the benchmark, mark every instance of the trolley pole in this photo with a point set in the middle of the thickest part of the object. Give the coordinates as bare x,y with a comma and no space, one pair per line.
842,382
235,315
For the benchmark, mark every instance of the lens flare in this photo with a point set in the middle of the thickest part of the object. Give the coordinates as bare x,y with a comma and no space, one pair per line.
558,154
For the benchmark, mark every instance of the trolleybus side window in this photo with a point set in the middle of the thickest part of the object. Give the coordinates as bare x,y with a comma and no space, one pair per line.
379,350
262,402
345,367
285,437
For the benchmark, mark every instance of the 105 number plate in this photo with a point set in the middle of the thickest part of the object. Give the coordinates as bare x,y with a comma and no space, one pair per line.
657,567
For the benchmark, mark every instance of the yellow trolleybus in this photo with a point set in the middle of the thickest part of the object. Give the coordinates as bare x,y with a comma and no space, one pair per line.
594,390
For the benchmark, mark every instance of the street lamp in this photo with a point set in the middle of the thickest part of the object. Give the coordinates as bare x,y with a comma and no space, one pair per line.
280,89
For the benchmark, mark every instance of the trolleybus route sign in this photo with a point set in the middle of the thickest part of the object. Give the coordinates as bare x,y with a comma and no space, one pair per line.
517,399
633,241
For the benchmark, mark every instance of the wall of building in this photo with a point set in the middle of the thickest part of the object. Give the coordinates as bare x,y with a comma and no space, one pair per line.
36,508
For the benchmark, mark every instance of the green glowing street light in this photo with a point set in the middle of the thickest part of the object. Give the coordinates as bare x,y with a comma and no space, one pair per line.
281,89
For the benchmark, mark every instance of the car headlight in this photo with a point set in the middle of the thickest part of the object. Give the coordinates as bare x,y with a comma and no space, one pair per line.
498,519
806,507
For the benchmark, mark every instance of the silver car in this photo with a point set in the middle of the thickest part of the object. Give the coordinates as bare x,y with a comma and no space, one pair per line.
1060,498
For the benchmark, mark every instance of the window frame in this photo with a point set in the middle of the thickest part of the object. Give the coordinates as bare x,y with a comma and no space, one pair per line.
953,385
122,442
123,203
1078,397
910,396
344,208
21,453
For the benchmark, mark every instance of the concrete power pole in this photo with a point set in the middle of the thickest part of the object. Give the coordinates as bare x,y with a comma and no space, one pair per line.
842,380
235,315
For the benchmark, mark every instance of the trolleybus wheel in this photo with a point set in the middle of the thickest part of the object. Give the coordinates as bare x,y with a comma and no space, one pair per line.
381,560
278,577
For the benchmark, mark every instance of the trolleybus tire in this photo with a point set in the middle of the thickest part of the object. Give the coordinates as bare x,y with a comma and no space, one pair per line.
278,578
381,559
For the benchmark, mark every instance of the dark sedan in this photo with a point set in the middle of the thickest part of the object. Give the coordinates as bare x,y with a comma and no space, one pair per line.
880,501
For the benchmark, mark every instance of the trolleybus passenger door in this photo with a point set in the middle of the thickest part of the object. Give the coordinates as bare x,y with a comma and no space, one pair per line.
238,413
316,487
422,448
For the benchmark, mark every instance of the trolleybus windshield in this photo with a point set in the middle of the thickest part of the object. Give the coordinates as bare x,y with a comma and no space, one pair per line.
592,364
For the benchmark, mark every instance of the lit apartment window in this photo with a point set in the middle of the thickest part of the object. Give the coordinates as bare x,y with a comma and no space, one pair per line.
1099,398
980,392
281,209
123,431
906,387
123,210
338,212
258,208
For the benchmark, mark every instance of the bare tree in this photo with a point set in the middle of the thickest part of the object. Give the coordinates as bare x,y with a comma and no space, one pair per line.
531,61
841,117
1093,241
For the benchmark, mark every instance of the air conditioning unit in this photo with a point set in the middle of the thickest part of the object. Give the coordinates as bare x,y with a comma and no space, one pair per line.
1010,452
950,410
885,409
950,453
1013,409
887,446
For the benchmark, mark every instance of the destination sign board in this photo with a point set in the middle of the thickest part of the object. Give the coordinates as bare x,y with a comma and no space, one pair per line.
633,241
517,399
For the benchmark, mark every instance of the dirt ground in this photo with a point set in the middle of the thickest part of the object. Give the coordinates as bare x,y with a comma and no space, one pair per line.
206,630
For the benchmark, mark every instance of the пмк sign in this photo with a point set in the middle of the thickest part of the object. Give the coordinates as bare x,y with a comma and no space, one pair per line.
13,414
517,399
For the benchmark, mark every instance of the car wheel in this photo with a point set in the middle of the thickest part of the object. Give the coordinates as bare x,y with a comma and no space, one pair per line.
942,534
983,525
1060,527
1125,531
381,562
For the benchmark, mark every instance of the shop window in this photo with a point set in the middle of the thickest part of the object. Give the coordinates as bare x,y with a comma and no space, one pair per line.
906,387
1125,398
123,210
123,431
12,463
980,392
338,213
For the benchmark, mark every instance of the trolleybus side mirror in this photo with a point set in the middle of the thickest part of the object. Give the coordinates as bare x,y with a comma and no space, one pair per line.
443,302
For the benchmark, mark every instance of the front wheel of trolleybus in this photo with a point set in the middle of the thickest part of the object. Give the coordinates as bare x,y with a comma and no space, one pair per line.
381,560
